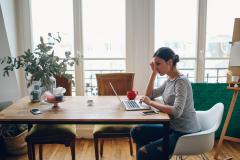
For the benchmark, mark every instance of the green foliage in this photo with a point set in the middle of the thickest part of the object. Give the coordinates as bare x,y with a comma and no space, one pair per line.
41,63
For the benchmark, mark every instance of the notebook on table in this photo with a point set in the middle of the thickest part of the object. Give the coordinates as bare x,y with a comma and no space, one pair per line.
130,105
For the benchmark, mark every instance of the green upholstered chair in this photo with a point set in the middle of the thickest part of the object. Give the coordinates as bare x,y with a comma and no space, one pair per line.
52,133
122,82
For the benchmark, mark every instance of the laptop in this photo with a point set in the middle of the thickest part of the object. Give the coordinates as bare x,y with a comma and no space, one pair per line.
130,105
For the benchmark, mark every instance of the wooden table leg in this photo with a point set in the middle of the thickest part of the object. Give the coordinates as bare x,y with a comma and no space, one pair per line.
231,107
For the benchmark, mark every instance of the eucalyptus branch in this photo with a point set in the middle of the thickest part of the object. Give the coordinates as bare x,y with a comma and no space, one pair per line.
41,63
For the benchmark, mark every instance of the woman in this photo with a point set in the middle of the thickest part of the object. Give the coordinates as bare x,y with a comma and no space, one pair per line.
177,95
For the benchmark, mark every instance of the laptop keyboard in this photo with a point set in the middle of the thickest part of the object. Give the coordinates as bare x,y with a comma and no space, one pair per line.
131,104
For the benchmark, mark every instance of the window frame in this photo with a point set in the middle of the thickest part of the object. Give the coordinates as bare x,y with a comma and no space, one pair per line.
139,39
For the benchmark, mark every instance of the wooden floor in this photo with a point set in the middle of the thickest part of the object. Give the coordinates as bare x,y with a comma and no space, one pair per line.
115,150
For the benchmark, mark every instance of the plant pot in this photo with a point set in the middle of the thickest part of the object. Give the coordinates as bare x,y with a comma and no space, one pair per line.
16,145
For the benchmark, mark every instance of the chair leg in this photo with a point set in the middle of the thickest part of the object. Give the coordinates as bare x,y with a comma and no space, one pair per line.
96,148
72,146
130,145
40,151
101,147
31,151
137,148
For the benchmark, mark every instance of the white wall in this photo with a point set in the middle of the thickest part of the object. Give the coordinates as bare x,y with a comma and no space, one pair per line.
23,21
8,85
8,11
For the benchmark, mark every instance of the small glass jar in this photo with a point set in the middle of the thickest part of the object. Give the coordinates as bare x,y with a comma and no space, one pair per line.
35,91
235,78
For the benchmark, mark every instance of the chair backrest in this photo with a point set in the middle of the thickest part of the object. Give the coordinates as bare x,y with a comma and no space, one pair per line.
65,83
122,82
203,141
211,119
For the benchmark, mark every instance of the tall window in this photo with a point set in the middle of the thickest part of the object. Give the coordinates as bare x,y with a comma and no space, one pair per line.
220,22
52,16
176,27
103,39
103,27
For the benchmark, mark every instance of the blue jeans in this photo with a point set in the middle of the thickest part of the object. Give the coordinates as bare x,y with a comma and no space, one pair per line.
149,140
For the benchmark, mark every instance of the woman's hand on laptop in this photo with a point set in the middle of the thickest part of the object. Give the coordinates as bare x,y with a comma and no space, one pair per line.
146,100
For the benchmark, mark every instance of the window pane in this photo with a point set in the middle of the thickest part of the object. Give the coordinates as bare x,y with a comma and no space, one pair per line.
91,67
187,67
215,71
104,28
220,22
104,65
176,26
104,35
53,16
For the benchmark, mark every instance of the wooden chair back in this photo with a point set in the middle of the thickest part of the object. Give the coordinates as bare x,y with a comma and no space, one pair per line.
122,82
65,83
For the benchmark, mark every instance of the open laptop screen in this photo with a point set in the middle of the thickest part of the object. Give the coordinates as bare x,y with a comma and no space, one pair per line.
115,92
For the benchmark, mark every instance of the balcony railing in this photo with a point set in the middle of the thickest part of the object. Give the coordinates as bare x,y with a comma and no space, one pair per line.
220,75
90,86
213,75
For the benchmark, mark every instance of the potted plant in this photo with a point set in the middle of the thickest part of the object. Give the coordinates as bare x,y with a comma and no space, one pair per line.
41,64
13,136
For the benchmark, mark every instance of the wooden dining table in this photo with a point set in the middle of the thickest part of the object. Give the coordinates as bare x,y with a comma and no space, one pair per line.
75,110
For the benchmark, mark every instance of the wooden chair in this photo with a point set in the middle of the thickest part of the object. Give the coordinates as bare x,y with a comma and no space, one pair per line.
64,82
54,133
122,82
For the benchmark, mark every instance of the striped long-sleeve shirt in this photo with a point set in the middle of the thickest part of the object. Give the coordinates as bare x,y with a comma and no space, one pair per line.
178,93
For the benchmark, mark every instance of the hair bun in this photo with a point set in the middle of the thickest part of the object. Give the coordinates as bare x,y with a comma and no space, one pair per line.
176,58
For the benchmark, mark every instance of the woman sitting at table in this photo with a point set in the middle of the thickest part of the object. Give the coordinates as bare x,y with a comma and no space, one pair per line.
177,95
